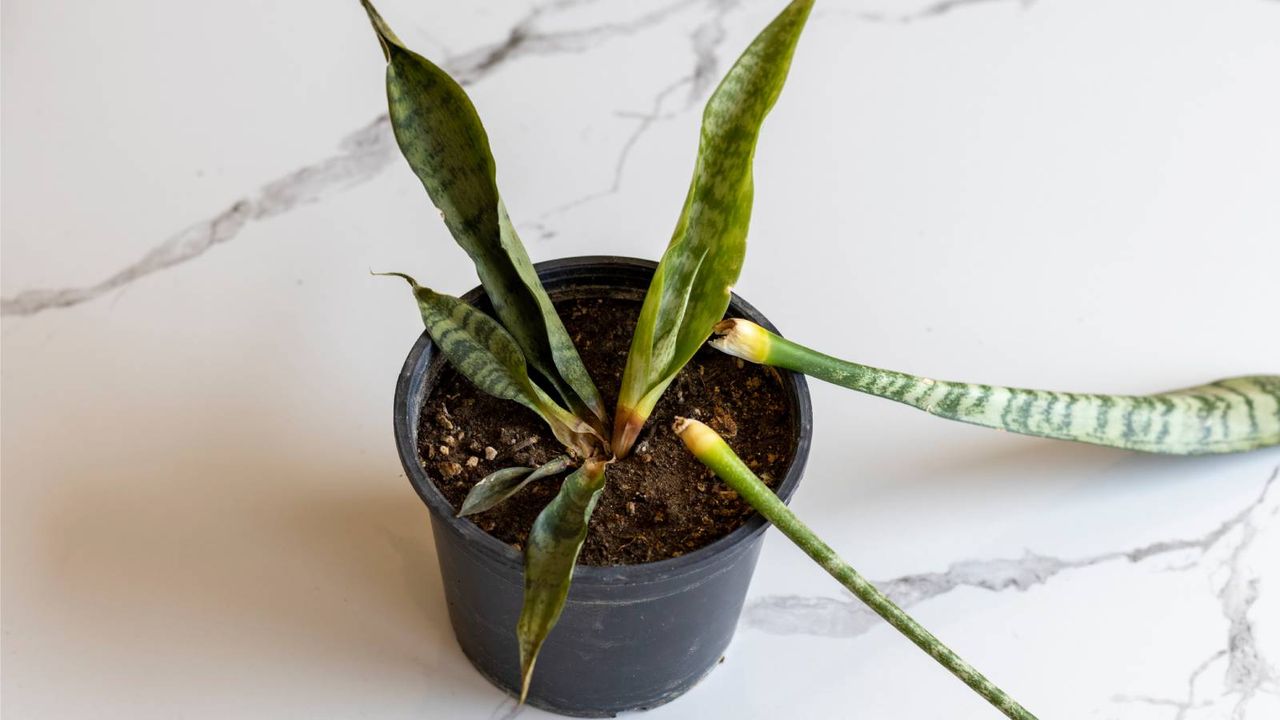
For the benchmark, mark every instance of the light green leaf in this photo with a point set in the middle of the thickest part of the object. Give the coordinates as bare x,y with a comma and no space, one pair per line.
502,484
486,355
493,489
441,136
1232,415
690,289
712,451
549,559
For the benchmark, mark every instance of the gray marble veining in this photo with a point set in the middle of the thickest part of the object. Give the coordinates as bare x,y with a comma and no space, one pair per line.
1246,670
367,151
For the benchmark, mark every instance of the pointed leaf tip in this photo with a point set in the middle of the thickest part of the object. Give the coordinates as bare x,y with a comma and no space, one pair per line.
691,288
485,353
551,553
440,135
386,37
407,278
497,486
493,489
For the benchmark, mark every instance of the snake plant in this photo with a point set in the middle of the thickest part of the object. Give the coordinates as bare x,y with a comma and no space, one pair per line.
525,355
1232,415
711,449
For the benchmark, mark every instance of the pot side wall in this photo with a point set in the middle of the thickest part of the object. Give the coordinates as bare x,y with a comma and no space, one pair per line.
630,637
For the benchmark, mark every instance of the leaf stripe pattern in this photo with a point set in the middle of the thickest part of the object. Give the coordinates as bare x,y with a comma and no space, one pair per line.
1215,418
441,136
550,556
690,289
1231,415
482,350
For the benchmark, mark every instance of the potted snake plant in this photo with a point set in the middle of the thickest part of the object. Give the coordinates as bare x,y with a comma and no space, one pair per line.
599,476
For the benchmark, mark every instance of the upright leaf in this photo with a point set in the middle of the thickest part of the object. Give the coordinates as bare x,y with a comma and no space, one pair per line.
690,289
502,484
441,136
486,355
549,559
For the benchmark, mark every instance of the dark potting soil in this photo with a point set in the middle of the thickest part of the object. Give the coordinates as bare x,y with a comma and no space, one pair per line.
659,502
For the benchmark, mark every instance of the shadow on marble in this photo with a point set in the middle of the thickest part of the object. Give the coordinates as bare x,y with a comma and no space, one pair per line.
325,580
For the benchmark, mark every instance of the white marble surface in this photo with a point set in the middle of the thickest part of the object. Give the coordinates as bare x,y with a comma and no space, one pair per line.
203,514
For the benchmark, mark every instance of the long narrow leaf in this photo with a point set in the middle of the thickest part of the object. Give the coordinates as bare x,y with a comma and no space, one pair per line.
713,452
486,355
502,484
442,137
549,559
690,289
1232,415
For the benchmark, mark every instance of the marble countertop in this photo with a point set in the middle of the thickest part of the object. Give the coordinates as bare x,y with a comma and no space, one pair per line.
203,513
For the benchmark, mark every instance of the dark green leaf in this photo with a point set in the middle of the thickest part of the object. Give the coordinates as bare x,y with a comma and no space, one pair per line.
690,290
549,559
486,355
441,136
502,484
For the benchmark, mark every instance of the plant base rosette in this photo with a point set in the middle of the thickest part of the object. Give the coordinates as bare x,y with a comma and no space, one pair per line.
629,637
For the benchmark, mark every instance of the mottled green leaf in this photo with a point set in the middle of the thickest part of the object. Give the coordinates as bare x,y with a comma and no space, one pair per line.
442,137
502,484
549,559
690,289
1232,415
486,355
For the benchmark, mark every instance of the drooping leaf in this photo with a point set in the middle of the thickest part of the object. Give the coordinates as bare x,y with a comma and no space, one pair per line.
479,348
690,289
441,136
493,489
502,484
549,559
712,451
1231,415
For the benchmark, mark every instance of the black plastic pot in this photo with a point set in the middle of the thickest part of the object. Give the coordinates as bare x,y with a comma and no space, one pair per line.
631,636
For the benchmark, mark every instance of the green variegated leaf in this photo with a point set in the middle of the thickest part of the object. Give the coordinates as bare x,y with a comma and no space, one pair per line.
441,136
502,484
549,559
1231,415
486,355
690,289
712,451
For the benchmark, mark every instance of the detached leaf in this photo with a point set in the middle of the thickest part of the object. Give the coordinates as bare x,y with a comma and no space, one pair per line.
486,355
712,451
549,559
502,484
1232,415
441,136
690,289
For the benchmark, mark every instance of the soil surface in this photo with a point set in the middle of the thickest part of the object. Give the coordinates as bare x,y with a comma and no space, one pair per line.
658,503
